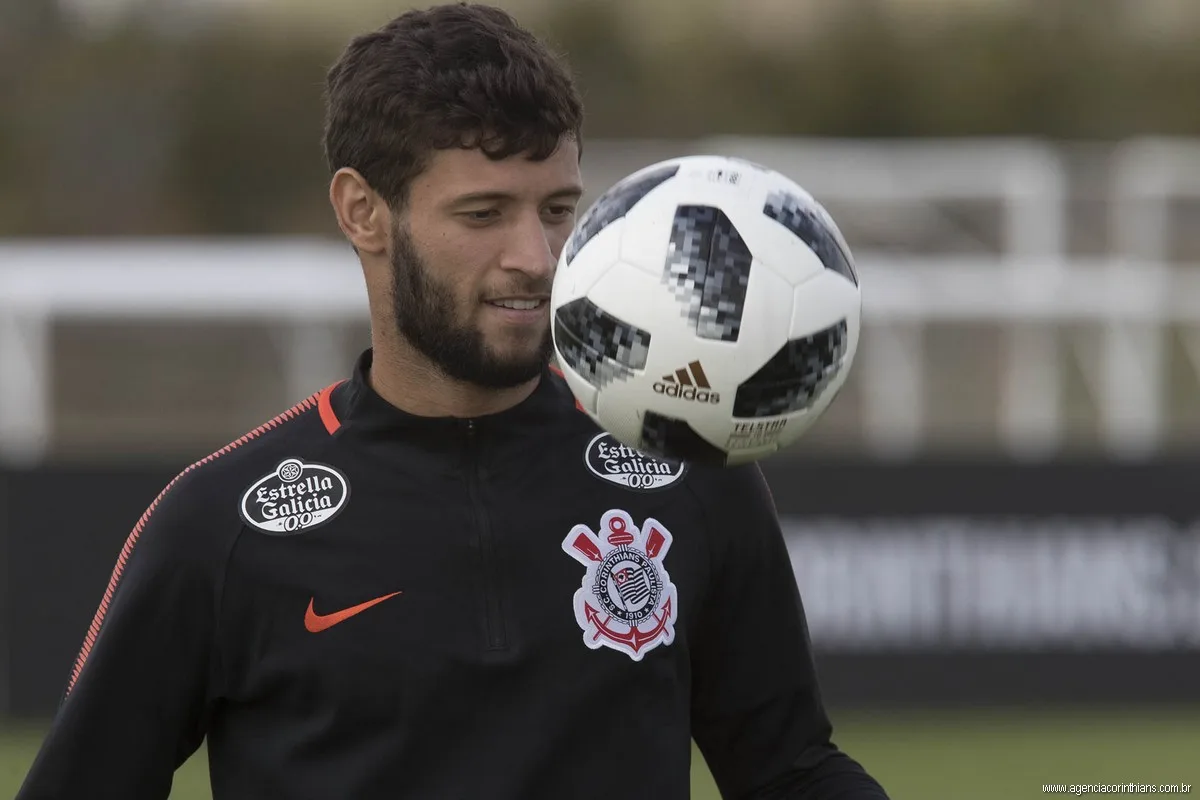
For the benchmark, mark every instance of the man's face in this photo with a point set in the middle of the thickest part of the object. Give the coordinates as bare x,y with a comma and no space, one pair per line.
473,262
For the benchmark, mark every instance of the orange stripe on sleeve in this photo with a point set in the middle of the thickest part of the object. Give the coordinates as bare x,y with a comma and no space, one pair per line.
325,407
127,550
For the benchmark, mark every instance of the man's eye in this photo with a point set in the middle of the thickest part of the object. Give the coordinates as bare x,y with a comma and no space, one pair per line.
560,211
484,215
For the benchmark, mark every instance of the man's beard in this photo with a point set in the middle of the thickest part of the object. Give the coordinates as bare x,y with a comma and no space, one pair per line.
426,316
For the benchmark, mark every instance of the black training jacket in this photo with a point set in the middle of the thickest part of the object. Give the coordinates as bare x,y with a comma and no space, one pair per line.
351,602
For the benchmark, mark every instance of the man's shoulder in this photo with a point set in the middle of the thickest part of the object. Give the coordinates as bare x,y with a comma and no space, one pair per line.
733,488
191,525
210,487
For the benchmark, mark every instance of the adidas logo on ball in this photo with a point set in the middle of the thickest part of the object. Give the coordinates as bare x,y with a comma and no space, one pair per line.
688,383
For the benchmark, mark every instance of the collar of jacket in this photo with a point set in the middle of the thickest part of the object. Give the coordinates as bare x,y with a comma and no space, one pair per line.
359,407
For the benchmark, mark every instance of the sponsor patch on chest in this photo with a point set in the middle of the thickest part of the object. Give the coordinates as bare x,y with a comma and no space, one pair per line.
296,497
611,461
626,600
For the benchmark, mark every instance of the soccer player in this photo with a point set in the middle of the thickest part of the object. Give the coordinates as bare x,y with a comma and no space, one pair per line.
415,584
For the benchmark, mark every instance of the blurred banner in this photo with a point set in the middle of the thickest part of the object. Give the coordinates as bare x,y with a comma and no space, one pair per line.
931,583
1021,299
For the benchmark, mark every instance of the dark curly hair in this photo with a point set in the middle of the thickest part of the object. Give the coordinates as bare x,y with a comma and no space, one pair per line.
455,75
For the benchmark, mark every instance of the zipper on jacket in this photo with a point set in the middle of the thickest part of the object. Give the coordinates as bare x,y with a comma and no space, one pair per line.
494,627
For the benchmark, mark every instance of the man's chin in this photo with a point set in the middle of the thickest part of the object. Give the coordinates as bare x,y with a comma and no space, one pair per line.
522,369
498,377
506,371
517,350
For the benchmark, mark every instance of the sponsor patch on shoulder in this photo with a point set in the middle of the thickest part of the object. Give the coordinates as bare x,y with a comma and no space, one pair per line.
611,461
296,497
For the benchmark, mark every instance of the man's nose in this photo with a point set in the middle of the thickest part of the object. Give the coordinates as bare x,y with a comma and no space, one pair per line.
529,249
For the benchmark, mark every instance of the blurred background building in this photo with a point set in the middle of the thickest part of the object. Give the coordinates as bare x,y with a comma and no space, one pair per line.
1000,509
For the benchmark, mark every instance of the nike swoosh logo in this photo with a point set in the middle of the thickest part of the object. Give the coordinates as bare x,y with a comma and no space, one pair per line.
315,623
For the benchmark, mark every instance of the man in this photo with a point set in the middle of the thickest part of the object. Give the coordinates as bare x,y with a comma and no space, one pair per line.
411,585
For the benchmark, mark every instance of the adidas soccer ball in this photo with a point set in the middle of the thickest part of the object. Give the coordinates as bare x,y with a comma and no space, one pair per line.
706,310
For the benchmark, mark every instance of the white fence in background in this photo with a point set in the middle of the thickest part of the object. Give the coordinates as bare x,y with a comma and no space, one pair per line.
1030,288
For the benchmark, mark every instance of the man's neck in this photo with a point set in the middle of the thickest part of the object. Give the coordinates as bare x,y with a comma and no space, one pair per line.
408,381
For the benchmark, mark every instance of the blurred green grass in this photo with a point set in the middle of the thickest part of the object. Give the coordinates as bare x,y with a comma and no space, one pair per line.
959,755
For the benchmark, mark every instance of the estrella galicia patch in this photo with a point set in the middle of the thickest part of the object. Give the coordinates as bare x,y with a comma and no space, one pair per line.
298,496
610,460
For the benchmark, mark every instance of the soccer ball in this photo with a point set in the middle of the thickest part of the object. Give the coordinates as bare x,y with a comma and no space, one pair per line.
706,310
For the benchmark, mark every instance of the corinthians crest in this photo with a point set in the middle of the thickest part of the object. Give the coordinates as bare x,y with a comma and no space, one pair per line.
627,601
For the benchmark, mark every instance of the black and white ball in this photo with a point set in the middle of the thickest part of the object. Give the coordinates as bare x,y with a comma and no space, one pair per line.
706,310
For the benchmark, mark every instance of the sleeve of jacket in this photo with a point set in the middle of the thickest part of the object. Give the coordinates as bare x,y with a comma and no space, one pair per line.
758,715
136,696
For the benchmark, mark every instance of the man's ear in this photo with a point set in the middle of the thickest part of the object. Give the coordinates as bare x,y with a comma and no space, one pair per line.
361,213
